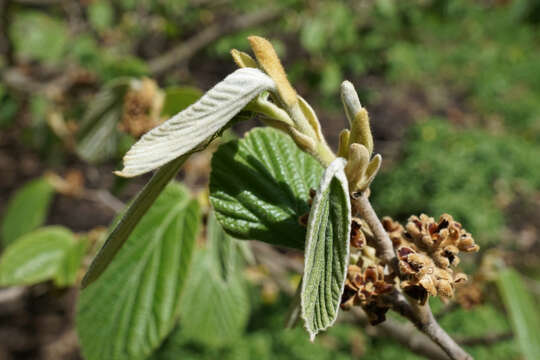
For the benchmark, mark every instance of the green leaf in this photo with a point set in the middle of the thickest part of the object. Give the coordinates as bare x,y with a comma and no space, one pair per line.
27,209
259,187
327,250
38,256
69,269
524,314
98,138
123,228
128,312
38,36
215,305
101,15
177,98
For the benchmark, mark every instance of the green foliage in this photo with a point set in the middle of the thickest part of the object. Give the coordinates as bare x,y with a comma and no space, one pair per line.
215,305
49,253
101,15
459,172
265,339
26,210
8,108
523,312
99,137
476,322
177,98
123,228
37,36
327,250
129,311
491,64
259,187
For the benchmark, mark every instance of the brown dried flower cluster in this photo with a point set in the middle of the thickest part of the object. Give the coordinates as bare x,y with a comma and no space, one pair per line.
426,250
364,287
142,107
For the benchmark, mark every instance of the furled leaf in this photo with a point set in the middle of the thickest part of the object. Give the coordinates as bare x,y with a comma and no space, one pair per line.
26,210
524,314
123,228
259,187
177,98
128,312
38,256
215,305
327,250
98,138
199,122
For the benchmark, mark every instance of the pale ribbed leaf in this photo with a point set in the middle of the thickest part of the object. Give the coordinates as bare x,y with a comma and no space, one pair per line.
200,121
41,255
128,312
327,250
259,187
215,304
523,312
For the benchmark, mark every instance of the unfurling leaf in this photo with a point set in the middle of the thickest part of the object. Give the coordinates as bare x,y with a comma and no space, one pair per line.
26,210
259,187
50,253
199,122
327,250
129,311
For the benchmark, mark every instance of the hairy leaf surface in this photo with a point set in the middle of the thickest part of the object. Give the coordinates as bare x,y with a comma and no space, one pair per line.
215,305
39,256
26,210
327,250
128,312
259,187
200,121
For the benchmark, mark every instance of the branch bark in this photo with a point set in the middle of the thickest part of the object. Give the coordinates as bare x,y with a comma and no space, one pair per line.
420,315
202,39
405,334
385,250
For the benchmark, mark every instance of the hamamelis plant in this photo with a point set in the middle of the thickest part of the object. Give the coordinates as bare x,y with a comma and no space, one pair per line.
284,185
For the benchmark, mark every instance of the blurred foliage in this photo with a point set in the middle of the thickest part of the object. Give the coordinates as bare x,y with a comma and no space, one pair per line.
26,210
474,66
468,173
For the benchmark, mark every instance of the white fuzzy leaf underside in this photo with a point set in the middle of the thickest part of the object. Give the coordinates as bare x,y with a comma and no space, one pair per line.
327,250
192,126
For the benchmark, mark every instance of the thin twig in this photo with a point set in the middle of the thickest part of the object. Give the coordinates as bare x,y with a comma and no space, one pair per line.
488,339
385,249
404,333
420,315
188,48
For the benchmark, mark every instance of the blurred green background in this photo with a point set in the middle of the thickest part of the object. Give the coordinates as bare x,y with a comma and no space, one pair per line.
453,91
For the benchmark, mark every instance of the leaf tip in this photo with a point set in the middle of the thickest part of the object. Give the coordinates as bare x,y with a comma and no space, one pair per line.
269,61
